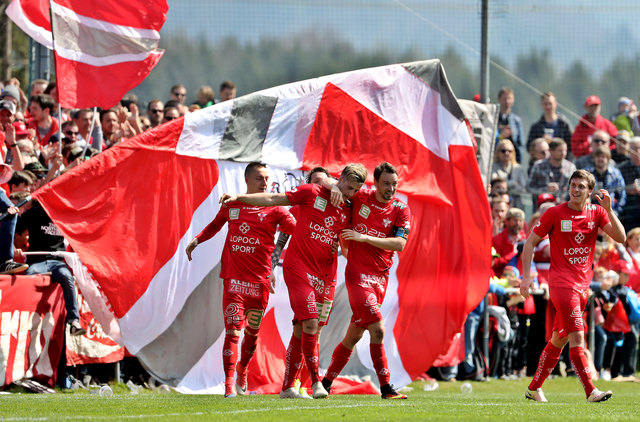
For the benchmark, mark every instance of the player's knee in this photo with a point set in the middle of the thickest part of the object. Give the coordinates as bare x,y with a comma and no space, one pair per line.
376,331
310,326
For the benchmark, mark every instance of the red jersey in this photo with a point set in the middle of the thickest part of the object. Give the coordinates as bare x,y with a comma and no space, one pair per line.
250,240
572,236
320,223
44,139
377,219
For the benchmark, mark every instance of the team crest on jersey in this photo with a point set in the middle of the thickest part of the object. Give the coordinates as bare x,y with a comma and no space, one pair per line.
364,211
262,216
566,226
328,222
579,238
386,222
320,204
234,213
244,228
591,225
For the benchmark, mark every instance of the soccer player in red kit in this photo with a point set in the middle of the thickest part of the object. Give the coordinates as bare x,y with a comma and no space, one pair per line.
308,266
573,229
380,227
246,270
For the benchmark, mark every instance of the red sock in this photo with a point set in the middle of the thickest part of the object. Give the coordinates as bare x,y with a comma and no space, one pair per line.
229,359
293,362
379,358
248,349
310,353
548,360
339,359
581,366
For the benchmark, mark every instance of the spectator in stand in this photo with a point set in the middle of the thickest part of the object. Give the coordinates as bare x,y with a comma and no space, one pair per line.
589,123
626,117
609,178
112,132
538,151
633,249
552,175
7,227
510,124
145,123
205,97
506,242
22,181
70,130
506,167
38,87
551,124
499,210
621,153
155,112
170,113
178,93
46,127
52,90
83,119
227,91
14,94
630,171
599,138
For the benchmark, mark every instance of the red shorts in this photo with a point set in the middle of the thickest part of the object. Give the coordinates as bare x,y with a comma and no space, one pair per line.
366,293
569,305
310,296
244,303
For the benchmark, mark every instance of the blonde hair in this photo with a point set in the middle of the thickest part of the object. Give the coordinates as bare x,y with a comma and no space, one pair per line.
502,144
354,172
633,232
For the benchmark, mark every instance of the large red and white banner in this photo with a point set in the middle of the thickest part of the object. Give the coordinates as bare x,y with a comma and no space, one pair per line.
32,325
102,49
130,212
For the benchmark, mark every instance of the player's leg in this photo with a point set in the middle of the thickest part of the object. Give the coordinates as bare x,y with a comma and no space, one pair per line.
341,354
254,318
309,342
293,363
229,360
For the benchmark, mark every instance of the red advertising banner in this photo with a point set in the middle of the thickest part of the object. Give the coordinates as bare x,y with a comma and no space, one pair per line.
32,318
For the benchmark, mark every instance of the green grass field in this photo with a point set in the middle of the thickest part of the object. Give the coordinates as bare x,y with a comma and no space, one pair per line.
488,400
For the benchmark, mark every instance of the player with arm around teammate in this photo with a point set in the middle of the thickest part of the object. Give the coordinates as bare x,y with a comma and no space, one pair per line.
573,229
380,227
246,270
308,266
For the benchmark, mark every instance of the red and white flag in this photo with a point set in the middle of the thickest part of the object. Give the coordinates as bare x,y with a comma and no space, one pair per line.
102,49
130,212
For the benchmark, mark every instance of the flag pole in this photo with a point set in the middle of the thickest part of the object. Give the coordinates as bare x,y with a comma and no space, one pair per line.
55,66
93,122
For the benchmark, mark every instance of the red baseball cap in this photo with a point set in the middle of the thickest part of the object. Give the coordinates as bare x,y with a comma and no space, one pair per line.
622,266
21,128
591,100
545,197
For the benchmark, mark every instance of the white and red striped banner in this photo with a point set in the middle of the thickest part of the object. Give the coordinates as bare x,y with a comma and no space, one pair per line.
130,212
102,49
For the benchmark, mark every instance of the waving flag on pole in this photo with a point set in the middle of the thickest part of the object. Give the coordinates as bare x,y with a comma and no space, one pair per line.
130,212
102,49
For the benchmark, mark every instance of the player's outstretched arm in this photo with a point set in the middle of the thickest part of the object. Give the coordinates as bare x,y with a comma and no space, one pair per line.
614,228
190,247
527,256
388,243
257,199
336,194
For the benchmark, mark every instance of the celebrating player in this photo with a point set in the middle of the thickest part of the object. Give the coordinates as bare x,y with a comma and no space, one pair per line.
246,269
572,228
380,227
308,266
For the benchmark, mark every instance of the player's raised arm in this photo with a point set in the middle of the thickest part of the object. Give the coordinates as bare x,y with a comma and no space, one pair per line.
614,228
257,199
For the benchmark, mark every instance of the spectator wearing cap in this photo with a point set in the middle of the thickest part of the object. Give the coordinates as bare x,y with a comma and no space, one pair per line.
509,123
551,124
630,170
46,126
552,175
506,167
621,153
626,116
12,93
589,123
598,139
609,178
543,198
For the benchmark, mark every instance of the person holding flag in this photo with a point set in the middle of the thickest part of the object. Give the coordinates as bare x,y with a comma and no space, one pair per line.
573,229
246,271
308,266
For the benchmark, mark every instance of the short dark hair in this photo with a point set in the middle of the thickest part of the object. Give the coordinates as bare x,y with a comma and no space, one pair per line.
556,142
68,123
251,167
105,112
44,101
19,177
153,102
315,170
227,85
383,167
584,174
